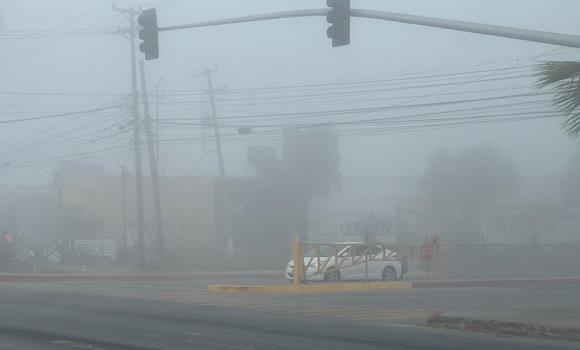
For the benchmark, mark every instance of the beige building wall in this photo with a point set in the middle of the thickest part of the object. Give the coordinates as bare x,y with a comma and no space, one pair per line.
188,208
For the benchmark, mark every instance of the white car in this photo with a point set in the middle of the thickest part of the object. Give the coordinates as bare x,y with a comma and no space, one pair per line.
350,261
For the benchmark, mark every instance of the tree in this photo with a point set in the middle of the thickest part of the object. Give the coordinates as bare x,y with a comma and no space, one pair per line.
564,78
308,168
311,160
458,187
475,175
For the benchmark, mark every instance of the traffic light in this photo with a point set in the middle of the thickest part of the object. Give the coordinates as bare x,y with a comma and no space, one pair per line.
148,34
339,19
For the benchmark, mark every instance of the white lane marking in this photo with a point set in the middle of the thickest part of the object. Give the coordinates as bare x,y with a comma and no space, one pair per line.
77,345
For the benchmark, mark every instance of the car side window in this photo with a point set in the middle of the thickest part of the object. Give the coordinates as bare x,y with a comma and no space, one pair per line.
345,252
376,250
358,250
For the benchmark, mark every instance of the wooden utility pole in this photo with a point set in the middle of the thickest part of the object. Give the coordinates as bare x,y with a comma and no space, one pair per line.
223,186
160,241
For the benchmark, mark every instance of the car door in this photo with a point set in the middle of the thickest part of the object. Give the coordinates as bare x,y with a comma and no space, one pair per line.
347,269
376,263
356,269
367,267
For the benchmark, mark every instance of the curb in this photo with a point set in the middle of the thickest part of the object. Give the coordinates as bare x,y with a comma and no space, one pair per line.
135,278
496,283
378,286
309,288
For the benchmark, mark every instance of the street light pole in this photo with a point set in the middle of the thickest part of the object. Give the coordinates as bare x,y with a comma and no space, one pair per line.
157,123
223,191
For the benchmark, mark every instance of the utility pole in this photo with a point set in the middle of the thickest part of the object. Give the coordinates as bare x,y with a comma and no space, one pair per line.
227,225
130,14
124,209
157,124
159,242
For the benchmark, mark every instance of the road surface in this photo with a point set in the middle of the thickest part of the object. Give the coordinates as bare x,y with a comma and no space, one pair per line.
182,315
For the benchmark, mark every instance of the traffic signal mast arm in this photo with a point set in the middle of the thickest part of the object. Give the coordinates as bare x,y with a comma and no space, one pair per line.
479,28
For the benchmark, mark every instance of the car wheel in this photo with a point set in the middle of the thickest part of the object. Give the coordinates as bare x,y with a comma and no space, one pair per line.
389,274
332,274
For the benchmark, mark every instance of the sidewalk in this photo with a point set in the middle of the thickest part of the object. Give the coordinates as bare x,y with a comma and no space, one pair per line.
512,282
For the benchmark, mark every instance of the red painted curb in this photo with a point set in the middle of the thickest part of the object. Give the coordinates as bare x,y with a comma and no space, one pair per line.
132,278
495,282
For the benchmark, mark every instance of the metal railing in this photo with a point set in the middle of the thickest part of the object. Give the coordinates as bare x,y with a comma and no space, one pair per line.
339,255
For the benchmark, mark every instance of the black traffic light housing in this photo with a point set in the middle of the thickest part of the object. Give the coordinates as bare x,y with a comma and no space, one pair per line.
148,34
339,19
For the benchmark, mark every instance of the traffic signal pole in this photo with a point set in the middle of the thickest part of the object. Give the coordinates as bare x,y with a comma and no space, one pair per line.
463,26
130,32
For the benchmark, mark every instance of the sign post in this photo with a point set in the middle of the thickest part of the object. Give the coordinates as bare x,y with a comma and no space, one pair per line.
366,256
426,254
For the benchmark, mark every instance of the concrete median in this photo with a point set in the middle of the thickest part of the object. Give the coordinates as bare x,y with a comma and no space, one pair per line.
309,288
378,286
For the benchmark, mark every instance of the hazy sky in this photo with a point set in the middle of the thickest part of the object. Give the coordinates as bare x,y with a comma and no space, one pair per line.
59,56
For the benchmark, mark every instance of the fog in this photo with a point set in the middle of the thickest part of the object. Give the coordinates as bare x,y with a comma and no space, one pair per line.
286,52
254,187
411,114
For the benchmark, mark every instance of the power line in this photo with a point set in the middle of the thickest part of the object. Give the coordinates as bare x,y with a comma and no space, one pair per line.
417,123
60,115
400,78
377,108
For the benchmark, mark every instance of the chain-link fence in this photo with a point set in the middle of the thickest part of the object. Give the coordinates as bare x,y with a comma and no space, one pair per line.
510,260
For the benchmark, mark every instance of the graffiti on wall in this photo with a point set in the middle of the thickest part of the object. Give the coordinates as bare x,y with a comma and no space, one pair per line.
372,225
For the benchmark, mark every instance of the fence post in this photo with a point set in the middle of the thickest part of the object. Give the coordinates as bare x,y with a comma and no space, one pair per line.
297,257
483,258
439,257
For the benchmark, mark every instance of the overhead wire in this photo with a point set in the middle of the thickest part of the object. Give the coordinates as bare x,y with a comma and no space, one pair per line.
348,128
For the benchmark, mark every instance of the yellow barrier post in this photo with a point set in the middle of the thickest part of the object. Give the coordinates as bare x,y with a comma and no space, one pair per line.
298,259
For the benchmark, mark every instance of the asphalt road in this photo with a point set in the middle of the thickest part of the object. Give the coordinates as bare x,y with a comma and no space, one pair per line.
182,315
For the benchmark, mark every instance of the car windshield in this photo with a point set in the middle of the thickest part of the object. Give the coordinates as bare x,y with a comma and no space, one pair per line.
289,174
323,251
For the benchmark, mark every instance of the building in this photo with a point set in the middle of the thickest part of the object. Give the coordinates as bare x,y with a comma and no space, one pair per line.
95,205
27,212
396,210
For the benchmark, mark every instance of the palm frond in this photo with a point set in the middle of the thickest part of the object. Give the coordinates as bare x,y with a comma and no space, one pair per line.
552,72
567,95
571,124
564,78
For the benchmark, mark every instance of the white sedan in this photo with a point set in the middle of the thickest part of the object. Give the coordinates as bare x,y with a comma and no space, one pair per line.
352,261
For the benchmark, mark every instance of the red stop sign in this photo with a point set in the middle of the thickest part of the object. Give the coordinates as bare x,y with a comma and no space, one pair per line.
426,250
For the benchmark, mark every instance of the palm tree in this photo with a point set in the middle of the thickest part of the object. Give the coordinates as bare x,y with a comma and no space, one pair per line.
564,78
